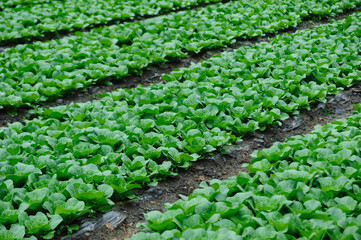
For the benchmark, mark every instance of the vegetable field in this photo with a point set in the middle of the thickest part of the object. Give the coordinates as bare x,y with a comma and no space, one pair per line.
64,164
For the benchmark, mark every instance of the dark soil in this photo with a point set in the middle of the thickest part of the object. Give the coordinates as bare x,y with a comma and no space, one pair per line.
153,73
125,215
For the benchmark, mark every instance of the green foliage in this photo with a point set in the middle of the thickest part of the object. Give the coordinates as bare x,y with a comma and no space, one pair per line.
305,188
31,19
17,3
74,159
76,61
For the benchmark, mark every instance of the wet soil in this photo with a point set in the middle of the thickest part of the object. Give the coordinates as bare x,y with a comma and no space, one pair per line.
122,220
153,73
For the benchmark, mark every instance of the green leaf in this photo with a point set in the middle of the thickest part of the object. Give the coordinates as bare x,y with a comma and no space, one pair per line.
346,203
71,207
195,145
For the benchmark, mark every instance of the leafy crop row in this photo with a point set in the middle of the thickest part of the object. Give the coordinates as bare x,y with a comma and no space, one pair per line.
76,158
309,63
305,188
32,73
35,20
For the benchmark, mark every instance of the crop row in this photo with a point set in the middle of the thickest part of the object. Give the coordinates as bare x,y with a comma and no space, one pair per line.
35,72
76,158
36,20
305,188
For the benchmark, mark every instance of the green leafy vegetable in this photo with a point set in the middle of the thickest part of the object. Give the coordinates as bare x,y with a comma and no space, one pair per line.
275,203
